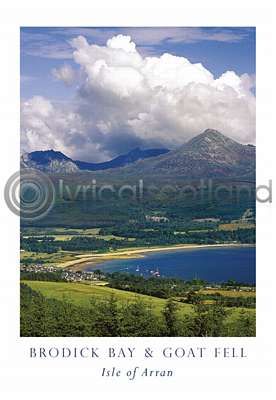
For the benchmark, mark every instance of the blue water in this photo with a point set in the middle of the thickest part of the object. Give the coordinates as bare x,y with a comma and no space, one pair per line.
212,265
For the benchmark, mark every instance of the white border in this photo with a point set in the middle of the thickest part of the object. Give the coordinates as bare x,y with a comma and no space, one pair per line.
208,378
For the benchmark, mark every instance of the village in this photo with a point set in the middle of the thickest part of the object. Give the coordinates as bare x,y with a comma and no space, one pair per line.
65,275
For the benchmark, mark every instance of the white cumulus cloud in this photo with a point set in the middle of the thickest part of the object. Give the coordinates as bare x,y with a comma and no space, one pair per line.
65,73
125,100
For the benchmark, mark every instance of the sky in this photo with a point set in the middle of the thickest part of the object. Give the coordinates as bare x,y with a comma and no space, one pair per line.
94,93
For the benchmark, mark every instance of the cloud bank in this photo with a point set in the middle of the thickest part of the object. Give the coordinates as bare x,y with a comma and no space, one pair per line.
125,100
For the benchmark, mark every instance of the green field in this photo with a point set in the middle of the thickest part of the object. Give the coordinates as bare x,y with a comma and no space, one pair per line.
229,293
58,231
67,233
47,258
81,294
235,226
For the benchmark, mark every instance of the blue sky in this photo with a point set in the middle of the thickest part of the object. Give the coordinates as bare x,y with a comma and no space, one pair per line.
218,49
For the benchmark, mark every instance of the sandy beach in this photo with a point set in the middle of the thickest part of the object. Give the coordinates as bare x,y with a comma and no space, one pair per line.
82,260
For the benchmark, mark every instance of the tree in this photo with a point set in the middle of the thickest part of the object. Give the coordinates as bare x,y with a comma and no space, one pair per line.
207,320
243,326
138,319
216,317
171,320
105,317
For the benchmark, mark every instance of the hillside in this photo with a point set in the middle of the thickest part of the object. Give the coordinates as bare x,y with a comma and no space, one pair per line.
56,162
208,155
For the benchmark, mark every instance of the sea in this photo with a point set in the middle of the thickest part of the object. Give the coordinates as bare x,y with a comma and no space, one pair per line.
214,265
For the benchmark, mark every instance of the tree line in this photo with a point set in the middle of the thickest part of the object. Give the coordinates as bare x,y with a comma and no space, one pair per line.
185,291
160,236
41,316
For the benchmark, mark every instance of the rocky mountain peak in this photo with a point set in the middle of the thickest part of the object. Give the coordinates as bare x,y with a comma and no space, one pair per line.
209,154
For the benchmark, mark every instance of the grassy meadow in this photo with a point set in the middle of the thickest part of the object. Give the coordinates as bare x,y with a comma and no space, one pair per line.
82,293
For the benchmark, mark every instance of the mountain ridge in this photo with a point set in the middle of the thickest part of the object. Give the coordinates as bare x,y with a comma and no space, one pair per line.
207,155
56,162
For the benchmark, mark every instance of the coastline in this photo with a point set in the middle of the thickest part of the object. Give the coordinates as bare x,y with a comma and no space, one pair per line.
94,259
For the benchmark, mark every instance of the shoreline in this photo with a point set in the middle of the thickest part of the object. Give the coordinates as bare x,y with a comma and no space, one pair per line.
94,259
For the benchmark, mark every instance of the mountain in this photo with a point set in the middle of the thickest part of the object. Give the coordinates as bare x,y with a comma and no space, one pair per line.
120,161
208,155
49,161
57,162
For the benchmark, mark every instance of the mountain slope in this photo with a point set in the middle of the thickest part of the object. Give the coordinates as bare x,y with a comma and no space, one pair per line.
49,161
122,160
57,162
210,154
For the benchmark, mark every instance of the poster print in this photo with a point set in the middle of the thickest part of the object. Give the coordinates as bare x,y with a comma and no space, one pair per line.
137,195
